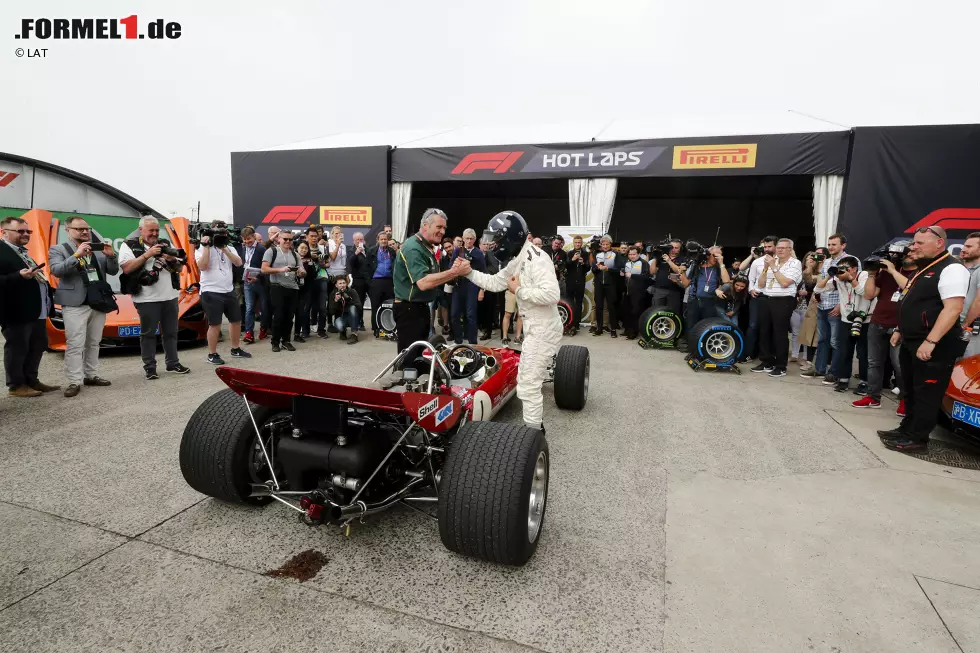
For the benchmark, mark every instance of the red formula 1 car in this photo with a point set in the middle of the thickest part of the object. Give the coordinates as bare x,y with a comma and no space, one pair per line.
337,453
961,405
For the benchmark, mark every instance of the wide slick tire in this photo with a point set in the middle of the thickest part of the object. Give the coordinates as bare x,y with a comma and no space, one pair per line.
494,492
572,377
565,314
386,317
716,340
660,326
216,448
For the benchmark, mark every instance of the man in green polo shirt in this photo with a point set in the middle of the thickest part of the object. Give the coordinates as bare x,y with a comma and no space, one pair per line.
417,279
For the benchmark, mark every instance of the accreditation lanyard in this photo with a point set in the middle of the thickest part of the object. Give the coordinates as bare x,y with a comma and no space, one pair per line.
911,282
707,281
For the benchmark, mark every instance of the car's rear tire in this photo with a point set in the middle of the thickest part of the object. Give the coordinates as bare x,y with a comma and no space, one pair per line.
572,377
716,340
494,492
565,314
660,326
217,445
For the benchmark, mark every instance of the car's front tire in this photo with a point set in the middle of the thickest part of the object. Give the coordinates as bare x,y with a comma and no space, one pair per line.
494,492
572,377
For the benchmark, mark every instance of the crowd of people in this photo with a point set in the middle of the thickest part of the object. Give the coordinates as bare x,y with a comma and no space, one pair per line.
905,322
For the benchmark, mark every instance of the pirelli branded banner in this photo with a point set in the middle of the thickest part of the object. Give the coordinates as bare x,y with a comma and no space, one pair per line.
781,154
904,178
292,189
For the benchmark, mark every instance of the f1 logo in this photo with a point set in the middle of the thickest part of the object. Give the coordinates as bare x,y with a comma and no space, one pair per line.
499,162
293,214
7,177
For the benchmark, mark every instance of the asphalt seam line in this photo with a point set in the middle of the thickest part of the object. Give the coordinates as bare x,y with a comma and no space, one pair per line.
943,621
360,602
946,582
869,449
68,519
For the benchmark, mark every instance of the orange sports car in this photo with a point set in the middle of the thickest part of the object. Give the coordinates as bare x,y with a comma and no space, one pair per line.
961,405
122,328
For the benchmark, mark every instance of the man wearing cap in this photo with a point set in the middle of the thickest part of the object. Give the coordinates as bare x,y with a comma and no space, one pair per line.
417,277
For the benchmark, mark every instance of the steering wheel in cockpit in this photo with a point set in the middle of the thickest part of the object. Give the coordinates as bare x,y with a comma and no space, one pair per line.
463,361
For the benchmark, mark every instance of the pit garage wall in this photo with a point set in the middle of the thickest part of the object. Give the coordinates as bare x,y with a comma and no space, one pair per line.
295,188
902,178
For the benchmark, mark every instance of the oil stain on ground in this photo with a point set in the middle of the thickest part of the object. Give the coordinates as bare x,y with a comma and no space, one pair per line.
302,566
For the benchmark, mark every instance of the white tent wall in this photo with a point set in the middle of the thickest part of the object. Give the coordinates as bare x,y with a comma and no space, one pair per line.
401,198
591,202
827,191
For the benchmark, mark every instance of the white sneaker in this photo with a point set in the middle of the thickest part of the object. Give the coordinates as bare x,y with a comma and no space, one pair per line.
896,391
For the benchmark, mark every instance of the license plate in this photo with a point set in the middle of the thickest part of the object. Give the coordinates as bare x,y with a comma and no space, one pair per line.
966,414
132,331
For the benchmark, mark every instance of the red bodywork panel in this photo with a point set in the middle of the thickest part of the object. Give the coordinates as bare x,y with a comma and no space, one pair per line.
964,384
277,392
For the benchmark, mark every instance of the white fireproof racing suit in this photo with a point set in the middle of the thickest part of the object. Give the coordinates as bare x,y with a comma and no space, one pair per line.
537,302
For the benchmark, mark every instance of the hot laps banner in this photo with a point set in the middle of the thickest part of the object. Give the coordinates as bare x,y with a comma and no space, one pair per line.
295,188
782,154
903,178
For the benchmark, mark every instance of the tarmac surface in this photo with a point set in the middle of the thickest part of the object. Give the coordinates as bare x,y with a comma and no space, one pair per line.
687,512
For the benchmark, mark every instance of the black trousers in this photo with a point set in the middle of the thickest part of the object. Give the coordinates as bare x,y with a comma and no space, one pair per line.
576,295
607,294
361,286
635,304
412,321
163,314
485,311
925,383
283,302
22,350
380,290
306,303
775,314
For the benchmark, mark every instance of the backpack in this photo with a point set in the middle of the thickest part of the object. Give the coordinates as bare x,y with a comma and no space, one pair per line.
98,293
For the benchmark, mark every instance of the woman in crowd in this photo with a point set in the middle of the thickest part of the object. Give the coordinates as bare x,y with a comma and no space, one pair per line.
305,295
736,295
804,320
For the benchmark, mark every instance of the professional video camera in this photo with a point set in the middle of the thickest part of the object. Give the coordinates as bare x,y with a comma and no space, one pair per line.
219,237
696,253
658,250
894,252
594,245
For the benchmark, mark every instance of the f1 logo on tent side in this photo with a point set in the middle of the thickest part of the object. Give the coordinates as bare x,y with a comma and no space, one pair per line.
499,162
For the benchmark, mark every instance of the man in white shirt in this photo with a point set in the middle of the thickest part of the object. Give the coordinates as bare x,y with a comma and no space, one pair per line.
153,279
928,317
848,286
777,282
216,260
753,263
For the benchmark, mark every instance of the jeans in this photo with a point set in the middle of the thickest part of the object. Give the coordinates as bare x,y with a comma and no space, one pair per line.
255,296
828,340
348,318
702,309
843,363
464,312
879,348
151,314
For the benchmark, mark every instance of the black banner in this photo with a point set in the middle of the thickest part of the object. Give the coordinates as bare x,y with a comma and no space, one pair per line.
773,154
902,178
294,188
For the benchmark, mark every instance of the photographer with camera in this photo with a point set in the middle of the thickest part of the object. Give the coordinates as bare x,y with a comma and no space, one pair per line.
829,328
467,294
707,278
576,269
345,306
151,274
636,275
778,282
560,259
360,272
665,266
734,295
884,284
256,294
380,261
78,264
970,256
216,259
605,273
850,282
333,266
752,264
306,296
281,264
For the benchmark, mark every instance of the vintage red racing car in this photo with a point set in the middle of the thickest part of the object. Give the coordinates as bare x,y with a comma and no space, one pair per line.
423,438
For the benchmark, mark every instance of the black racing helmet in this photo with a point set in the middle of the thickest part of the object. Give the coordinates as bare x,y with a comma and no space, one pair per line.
509,233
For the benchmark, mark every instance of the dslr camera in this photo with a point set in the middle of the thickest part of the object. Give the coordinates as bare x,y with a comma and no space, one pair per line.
857,319
758,251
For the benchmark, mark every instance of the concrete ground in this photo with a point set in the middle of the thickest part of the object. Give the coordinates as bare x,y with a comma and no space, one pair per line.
688,512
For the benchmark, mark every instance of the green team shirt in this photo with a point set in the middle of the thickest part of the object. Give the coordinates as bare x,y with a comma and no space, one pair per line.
414,261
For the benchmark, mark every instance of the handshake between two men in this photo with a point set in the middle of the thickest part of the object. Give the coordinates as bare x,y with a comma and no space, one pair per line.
461,267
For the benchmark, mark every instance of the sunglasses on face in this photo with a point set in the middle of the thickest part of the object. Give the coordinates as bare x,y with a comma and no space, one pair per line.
21,231
931,230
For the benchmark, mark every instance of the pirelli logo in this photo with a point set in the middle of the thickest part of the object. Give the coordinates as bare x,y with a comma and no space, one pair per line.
693,157
350,216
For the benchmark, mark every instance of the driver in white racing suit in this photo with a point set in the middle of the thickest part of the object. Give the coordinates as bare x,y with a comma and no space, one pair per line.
530,275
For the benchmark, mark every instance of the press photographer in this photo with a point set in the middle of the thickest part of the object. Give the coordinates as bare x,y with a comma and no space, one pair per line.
753,263
848,283
636,274
282,265
665,261
216,259
345,305
361,273
576,269
151,275
707,278
559,257
884,284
